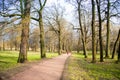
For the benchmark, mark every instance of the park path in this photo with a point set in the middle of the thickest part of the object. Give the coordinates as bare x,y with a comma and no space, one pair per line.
51,69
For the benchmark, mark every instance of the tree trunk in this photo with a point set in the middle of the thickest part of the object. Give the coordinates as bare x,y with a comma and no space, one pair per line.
23,46
93,33
78,47
25,32
3,45
97,45
100,30
82,33
42,43
108,31
60,47
60,39
118,51
114,49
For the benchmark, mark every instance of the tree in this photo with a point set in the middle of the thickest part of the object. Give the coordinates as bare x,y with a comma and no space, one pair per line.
115,44
100,29
108,30
81,27
41,27
93,33
25,6
21,11
118,51
57,23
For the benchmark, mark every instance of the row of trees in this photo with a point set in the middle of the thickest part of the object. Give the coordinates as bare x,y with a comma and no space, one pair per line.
99,16
21,9
108,15
22,14
55,32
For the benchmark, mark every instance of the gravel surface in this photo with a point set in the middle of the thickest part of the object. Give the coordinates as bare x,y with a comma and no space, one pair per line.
51,69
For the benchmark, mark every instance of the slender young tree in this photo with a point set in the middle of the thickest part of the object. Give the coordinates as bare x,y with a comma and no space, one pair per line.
118,51
25,6
93,33
115,45
100,29
108,30
81,27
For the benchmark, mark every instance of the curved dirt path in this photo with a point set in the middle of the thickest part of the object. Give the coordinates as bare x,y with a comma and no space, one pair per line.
51,69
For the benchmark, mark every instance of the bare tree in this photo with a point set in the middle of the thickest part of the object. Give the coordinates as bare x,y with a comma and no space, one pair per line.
41,26
118,51
115,44
100,29
108,30
57,23
93,33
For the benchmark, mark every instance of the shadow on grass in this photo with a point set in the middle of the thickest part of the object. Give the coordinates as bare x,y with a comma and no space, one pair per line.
100,71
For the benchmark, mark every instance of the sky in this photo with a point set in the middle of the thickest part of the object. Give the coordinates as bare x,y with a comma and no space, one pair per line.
68,8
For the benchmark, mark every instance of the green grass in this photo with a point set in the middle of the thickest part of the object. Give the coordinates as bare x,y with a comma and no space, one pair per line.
8,59
82,69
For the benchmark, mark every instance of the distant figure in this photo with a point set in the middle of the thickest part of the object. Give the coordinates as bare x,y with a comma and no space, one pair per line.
67,52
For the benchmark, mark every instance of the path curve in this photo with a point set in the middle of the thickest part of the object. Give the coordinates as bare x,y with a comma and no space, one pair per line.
51,69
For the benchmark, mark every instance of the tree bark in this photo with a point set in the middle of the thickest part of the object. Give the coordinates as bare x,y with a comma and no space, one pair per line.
114,49
108,31
100,30
25,32
93,33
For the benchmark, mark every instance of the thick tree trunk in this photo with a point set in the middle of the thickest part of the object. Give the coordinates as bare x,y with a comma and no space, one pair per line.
42,43
82,33
114,48
24,43
25,31
108,31
100,30
93,33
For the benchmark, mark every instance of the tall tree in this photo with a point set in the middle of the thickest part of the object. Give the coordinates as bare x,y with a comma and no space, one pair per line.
108,30
25,6
81,27
100,29
57,23
115,44
93,33
41,27
118,51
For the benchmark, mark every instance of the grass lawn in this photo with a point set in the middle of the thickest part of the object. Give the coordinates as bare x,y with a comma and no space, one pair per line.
79,68
8,59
